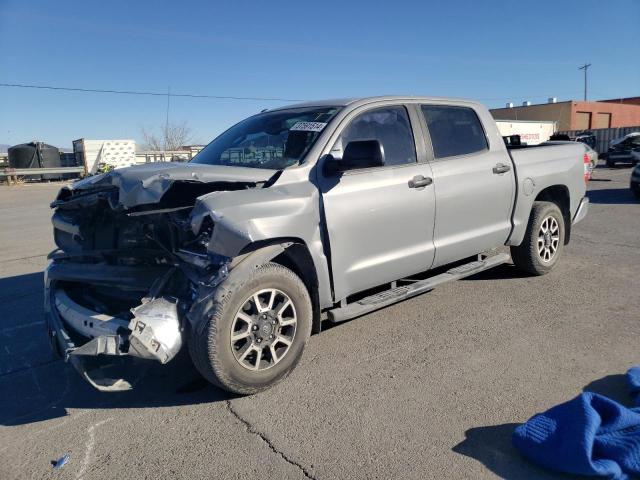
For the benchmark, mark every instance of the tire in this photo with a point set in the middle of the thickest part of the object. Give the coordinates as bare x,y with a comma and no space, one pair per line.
611,163
527,255
218,358
635,189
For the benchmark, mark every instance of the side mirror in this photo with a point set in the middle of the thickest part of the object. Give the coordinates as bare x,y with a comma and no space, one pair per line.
362,154
330,166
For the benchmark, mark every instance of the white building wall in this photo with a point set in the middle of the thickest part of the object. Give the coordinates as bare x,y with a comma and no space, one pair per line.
531,132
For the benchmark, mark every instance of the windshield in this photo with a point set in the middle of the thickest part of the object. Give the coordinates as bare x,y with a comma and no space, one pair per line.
273,140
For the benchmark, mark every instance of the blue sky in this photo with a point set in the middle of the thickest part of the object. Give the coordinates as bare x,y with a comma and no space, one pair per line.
492,50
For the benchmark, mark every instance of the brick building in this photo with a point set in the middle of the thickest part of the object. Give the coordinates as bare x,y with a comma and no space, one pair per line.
628,100
576,114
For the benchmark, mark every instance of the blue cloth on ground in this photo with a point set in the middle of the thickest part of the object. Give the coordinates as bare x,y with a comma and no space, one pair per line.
589,435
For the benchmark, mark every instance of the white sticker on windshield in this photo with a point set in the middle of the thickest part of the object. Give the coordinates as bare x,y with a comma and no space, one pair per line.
308,127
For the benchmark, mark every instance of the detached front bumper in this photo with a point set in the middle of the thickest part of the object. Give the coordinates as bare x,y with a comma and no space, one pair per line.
89,339
582,210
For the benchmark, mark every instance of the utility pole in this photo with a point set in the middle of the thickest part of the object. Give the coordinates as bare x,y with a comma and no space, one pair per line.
585,67
166,123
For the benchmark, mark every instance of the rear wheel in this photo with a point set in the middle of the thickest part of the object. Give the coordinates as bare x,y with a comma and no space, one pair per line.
611,163
543,241
255,333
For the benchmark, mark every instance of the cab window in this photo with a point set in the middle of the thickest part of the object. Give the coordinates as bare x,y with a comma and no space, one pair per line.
390,126
454,130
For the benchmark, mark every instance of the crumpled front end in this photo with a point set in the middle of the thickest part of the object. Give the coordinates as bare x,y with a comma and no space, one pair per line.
126,277
152,330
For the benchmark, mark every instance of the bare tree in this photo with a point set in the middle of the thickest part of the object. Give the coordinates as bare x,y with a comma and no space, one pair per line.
171,137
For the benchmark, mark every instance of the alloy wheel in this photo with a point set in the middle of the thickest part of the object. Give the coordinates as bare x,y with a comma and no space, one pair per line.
548,239
263,329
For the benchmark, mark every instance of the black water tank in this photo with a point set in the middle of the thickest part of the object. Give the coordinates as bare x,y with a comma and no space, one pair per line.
35,155
68,160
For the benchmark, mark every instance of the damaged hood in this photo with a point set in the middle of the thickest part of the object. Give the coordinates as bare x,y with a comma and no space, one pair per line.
146,184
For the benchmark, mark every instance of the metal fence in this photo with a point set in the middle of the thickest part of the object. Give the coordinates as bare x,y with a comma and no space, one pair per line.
604,135
58,173
165,156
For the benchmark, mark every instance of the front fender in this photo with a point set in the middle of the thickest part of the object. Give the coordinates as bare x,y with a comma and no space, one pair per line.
246,217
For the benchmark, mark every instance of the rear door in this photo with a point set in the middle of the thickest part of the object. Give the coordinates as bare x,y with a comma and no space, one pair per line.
474,184
380,228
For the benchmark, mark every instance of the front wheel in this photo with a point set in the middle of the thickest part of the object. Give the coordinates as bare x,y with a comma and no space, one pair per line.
254,332
543,241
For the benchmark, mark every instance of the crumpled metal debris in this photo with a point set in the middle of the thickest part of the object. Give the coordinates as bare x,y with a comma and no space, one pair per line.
155,330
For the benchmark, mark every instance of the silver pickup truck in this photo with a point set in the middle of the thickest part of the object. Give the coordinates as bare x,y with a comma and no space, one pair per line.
322,211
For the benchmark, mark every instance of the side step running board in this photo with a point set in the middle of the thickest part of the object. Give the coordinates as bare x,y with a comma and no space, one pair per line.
394,295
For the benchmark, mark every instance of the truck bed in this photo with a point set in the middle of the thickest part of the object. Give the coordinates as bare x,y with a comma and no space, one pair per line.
539,167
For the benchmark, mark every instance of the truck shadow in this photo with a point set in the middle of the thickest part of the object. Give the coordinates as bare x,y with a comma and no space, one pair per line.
612,196
619,165
506,271
37,386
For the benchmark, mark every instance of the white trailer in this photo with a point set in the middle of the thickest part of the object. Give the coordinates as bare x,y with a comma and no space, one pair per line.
532,132
115,153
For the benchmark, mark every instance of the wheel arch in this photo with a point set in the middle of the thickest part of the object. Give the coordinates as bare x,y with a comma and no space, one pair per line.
559,195
295,255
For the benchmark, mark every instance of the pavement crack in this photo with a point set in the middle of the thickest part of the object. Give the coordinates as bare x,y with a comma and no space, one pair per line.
251,429
7,260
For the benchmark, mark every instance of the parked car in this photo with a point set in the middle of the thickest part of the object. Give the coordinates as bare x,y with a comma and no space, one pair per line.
587,137
620,150
590,152
634,184
323,210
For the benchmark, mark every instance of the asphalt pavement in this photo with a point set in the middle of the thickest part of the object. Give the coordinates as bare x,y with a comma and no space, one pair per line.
429,388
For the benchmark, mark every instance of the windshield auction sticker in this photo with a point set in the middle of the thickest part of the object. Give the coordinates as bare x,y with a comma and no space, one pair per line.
308,127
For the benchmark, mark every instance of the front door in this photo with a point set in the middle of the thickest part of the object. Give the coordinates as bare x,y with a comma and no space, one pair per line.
380,228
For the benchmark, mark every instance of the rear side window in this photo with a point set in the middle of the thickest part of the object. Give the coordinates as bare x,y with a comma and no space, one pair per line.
390,126
454,130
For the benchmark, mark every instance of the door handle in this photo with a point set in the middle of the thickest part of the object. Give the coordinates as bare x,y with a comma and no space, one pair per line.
501,168
420,181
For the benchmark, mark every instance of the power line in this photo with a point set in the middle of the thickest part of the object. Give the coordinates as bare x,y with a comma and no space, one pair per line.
154,94
191,95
